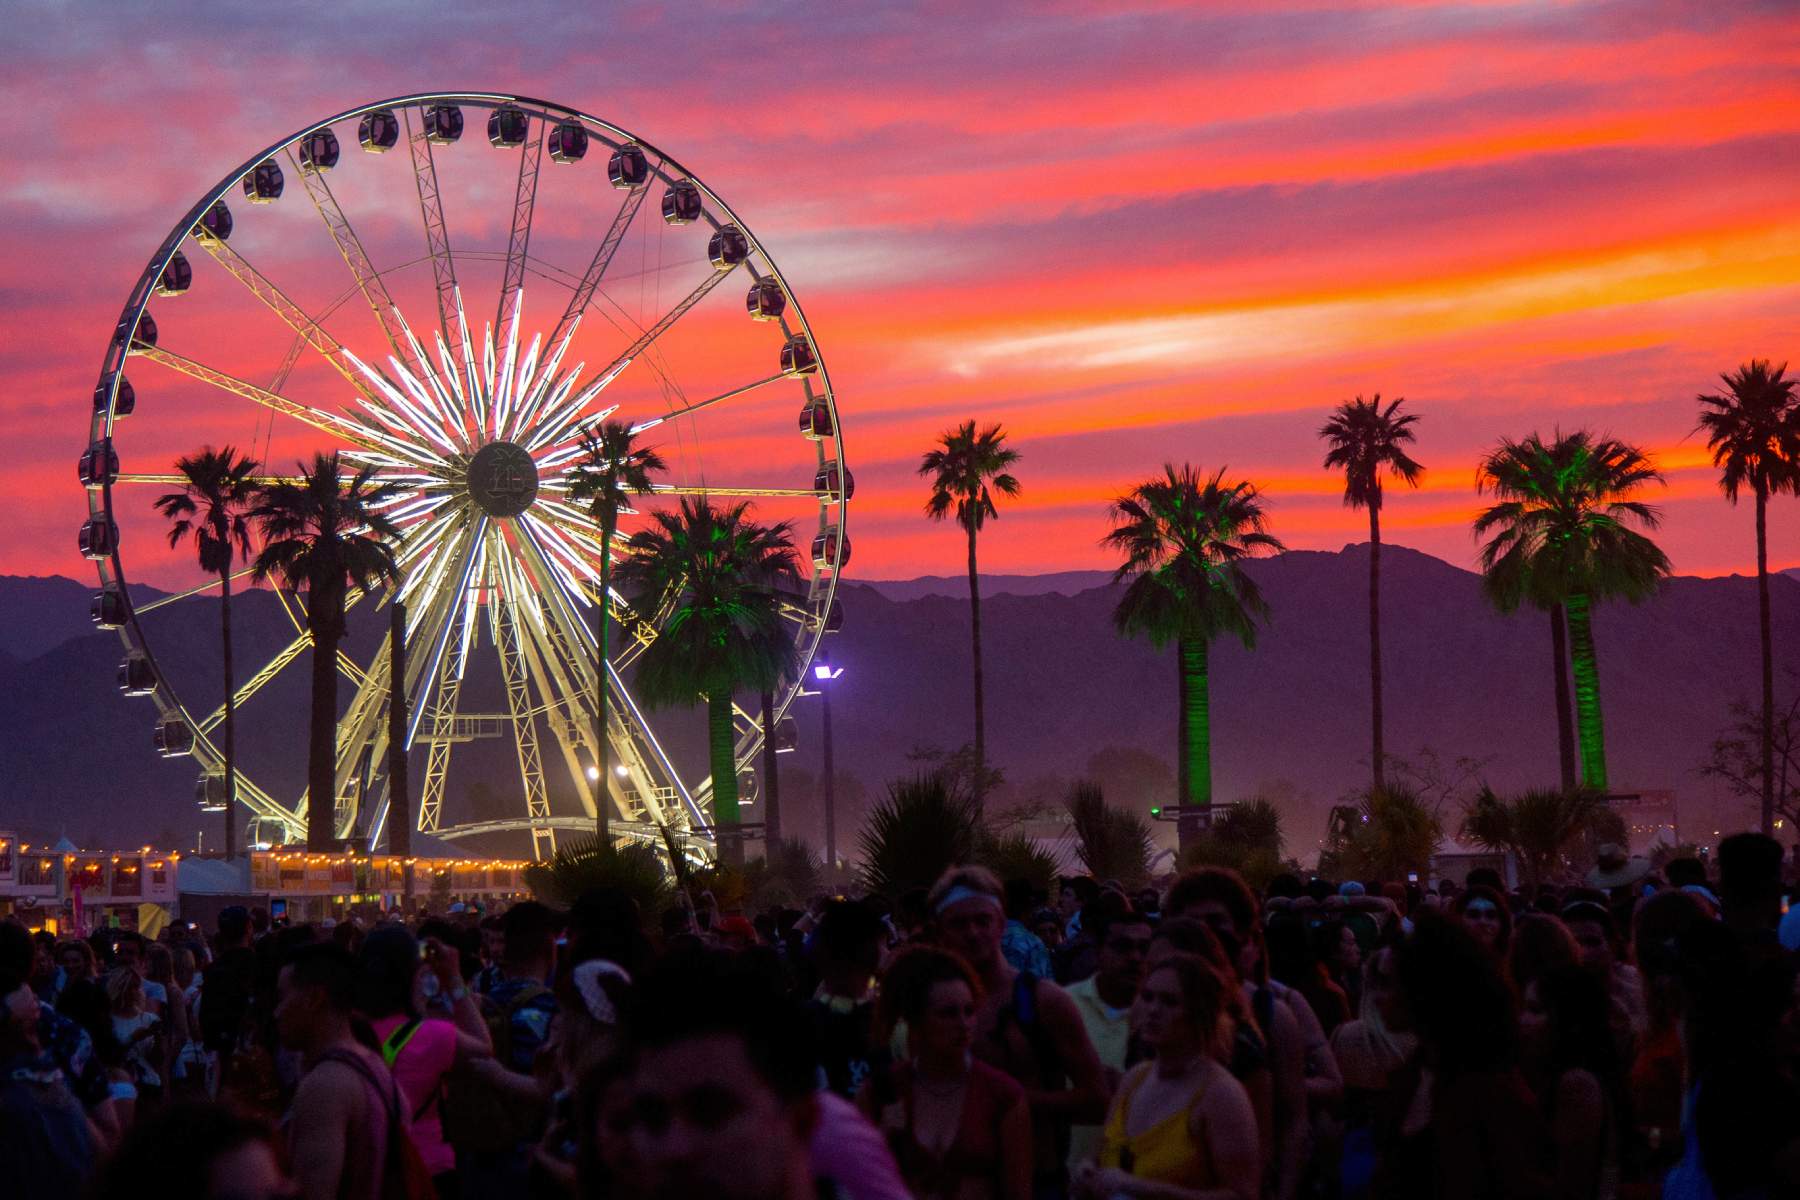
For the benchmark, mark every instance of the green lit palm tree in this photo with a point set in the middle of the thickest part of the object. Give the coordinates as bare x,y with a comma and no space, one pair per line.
721,575
321,535
612,468
1364,438
962,467
1753,429
213,508
1560,539
1185,539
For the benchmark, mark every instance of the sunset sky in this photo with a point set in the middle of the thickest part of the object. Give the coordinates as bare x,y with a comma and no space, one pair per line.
1129,234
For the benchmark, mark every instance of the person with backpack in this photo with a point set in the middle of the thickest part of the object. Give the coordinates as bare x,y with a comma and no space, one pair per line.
421,1053
1027,1027
347,1127
495,1110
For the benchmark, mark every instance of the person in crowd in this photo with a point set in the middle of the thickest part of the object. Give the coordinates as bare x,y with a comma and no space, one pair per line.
46,1147
604,922
43,979
1303,1071
75,959
131,951
159,969
139,1030
1540,944
1104,999
1750,884
1074,957
958,1128
227,982
1567,1051
1241,1047
847,951
496,1118
1597,938
1291,962
1027,1027
1464,1124
64,1038
1335,947
1369,1049
196,1150
715,1099
584,1041
1661,1064
1180,1125
419,1053
346,1104
1047,924
1741,1115
1485,914
1024,950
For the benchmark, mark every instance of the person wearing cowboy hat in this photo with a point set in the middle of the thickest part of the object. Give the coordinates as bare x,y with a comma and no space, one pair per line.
1617,868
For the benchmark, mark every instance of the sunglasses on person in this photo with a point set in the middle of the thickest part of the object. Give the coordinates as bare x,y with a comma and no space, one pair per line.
1481,908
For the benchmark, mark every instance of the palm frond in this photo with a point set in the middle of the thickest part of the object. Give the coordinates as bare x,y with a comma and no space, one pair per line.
922,827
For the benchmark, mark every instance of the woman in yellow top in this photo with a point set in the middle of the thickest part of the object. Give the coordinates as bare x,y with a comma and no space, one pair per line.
1181,1128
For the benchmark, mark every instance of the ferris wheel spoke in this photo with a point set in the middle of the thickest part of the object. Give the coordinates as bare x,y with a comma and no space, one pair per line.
554,420
303,325
609,245
524,204
254,684
731,395
339,427
368,280
676,489
437,236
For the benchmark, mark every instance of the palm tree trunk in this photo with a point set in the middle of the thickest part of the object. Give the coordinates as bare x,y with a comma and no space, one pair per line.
1380,756
1565,725
980,723
1768,662
1587,694
1196,721
399,818
1184,791
603,750
771,779
720,736
230,715
321,756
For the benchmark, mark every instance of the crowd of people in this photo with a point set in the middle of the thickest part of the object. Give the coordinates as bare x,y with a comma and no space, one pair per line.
978,1040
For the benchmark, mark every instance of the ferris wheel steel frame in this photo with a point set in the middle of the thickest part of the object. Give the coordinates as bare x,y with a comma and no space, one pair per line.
522,580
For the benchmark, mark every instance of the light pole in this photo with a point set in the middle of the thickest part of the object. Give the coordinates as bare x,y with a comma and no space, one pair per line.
824,673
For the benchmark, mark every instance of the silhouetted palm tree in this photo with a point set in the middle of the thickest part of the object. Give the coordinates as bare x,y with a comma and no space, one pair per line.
1562,540
1754,432
722,575
1185,540
962,467
213,508
612,468
1364,438
1537,825
321,535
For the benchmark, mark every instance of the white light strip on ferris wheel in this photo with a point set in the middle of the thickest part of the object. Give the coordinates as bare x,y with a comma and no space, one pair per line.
388,389
471,401
570,409
414,455
421,422
426,416
503,385
555,399
546,383
429,579
418,508
462,403
561,558
527,371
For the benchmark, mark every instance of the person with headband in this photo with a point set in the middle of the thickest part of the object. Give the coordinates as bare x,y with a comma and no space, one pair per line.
1027,1027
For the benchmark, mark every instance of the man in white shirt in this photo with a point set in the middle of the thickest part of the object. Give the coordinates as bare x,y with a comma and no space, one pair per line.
1104,999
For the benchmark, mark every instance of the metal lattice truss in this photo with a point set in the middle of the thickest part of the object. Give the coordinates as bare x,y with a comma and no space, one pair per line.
480,435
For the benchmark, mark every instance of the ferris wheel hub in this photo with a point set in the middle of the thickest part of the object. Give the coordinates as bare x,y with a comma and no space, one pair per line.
502,479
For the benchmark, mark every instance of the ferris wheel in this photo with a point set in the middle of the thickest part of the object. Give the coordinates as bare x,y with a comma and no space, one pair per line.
454,316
